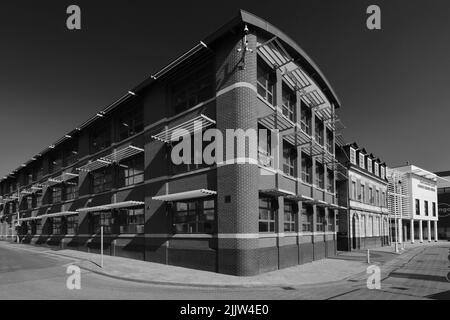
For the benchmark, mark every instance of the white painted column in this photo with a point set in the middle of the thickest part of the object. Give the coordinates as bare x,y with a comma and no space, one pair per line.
435,231
412,230
400,230
405,233
429,230
420,231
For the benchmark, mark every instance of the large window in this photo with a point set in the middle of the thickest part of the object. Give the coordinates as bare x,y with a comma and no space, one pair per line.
72,224
264,147
426,207
101,138
330,181
193,89
56,194
306,168
288,103
131,171
266,215
318,130
194,216
101,180
102,218
305,118
320,183
329,142
266,81
289,159
194,156
70,153
57,224
307,218
331,218
417,207
321,222
289,217
131,123
131,220
71,189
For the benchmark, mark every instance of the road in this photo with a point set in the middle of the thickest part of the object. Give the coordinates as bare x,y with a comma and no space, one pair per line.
26,274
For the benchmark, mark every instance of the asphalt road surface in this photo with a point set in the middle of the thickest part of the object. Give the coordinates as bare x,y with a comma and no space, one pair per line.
30,275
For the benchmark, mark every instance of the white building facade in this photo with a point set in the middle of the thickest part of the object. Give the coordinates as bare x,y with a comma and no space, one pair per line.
413,204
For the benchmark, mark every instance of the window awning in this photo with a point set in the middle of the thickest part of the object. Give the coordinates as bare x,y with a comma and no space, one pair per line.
122,154
26,191
186,128
274,52
185,195
62,178
298,137
277,192
60,214
276,120
118,205
94,165
300,197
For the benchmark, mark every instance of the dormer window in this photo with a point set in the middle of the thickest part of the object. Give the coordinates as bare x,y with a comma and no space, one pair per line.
376,169
382,172
369,165
353,156
361,160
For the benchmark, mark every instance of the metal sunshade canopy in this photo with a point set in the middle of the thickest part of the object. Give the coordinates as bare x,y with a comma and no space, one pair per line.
114,157
184,129
276,121
185,195
117,205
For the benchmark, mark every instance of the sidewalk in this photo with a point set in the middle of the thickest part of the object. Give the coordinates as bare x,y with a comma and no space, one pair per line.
318,272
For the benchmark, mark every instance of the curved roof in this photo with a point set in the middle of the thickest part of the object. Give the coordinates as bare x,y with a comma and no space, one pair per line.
308,63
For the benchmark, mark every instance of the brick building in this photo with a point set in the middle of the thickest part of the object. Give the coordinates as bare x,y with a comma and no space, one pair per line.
115,170
365,222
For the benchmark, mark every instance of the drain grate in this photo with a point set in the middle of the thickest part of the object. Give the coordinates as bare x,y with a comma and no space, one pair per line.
287,288
400,288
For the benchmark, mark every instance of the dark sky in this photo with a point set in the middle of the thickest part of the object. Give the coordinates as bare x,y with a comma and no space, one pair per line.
393,83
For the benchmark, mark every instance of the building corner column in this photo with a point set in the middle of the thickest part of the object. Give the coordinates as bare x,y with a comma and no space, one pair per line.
435,230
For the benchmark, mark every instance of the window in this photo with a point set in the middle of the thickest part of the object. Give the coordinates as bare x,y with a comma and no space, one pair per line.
193,89
320,223
102,218
319,176
306,168
131,123
370,195
71,154
264,147
426,207
377,198
55,163
288,102
318,130
363,193
352,156
330,181
289,159
266,81
38,199
331,221
195,156
382,176
71,189
329,135
72,224
417,207
101,138
434,209
131,220
307,218
266,215
56,195
305,118
195,216
376,169
57,225
101,180
361,160
289,217
354,190
383,198
36,227
29,202
369,165
131,171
